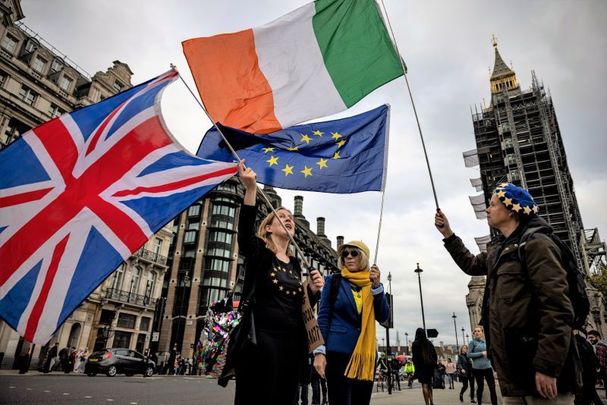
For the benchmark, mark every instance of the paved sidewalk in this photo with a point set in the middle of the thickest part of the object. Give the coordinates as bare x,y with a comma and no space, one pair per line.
414,396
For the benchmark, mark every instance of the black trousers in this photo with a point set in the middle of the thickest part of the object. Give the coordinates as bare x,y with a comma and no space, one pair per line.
485,374
342,390
465,379
269,372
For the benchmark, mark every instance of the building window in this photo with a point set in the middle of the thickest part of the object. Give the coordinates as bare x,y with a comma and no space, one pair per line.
27,95
189,237
219,265
57,65
194,210
136,276
122,339
118,278
126,321
210,295
145,323
55,111
31,46
219,252
39,64
118,86
224,237
157,246
140,344
9,43
3,77
65,82
220,209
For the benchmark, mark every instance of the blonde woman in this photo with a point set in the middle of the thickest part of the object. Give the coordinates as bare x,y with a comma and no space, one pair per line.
347,315
269,365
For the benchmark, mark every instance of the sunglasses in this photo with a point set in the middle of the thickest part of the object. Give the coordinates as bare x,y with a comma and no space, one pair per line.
346,252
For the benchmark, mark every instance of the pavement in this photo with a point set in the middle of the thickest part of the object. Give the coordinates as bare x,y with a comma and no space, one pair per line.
59,388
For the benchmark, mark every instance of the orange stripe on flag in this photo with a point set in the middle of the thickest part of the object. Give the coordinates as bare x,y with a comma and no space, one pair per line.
233,88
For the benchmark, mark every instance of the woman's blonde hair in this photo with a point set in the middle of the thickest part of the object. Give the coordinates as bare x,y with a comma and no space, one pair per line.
266,236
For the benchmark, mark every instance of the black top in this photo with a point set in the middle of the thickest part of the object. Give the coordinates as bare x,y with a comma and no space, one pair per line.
278,298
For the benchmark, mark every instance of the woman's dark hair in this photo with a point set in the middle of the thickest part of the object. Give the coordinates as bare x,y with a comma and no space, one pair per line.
424,345
420,335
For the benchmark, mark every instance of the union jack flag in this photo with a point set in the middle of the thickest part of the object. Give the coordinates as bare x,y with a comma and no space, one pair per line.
82,192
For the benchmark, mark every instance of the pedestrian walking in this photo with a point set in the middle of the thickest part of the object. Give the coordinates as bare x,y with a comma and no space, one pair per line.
527,311
270,361
464,370
352,302
481,366
424,359
51,358
450,369
410,373
590,362
600,349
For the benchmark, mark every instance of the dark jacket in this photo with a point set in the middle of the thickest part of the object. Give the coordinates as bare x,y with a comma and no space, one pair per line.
341,327
527,311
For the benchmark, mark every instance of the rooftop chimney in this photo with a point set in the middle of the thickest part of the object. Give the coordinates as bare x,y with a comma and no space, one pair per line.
320,226
298,206
340,241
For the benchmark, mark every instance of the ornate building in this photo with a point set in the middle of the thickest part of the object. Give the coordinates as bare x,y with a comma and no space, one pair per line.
37,83
205,263
519,141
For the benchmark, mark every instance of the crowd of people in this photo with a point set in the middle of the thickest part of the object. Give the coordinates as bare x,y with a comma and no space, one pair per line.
68,359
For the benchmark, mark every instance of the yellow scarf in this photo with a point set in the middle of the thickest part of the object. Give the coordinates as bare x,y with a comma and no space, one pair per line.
362,361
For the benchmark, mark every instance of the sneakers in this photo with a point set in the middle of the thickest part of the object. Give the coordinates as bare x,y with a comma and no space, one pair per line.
461,398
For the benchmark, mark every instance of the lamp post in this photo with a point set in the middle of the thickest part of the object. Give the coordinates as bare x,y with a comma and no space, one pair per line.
464,340
407,341
467,337
388,349
421,297
455,328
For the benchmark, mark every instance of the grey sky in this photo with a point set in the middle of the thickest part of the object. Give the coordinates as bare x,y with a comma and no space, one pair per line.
448,51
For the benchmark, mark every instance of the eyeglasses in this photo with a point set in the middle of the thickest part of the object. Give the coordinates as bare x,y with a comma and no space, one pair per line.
346,252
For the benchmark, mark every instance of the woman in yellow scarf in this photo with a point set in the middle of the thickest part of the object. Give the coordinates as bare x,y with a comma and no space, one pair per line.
350,304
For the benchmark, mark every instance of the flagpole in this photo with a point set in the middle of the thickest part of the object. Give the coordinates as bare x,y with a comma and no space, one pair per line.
265,197
419,128
381,216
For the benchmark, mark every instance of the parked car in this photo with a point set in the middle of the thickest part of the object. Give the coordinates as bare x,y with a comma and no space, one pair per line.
117,360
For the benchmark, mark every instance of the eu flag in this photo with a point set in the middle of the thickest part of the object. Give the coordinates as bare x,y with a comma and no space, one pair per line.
342,156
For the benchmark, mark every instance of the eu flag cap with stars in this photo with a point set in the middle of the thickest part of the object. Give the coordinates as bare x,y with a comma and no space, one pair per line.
516,199
341,156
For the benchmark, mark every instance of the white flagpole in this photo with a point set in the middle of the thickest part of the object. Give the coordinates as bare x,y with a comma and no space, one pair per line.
421,136
265,197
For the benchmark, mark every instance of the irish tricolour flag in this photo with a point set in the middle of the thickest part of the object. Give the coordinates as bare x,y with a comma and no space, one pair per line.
315,61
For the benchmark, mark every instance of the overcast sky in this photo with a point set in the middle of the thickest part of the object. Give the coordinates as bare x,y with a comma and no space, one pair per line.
447,48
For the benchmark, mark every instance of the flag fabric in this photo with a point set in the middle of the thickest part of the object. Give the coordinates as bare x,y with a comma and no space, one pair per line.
348,155
315,61
82,192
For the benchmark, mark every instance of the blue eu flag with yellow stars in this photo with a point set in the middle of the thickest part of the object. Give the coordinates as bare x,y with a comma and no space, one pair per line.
347,155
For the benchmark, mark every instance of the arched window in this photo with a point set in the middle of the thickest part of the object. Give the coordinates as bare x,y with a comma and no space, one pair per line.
74,335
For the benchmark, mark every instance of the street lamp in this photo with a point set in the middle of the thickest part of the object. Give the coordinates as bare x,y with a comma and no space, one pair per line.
185,284
421,297
407,341
464,340
455,328
388,349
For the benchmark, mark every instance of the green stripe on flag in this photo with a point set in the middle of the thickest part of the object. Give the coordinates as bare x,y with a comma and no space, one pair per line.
356,48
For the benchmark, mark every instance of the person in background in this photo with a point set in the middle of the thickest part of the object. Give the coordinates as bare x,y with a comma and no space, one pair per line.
481,366
464,369
349,307
450,369
424,359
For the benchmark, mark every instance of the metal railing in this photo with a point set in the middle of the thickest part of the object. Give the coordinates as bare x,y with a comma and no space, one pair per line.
129,297
151,256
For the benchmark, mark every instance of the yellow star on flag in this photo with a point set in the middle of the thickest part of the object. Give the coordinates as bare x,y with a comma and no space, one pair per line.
317,133
266,150
322,163
287,170
292,148
336,156
341,143
305,138
272,161
307,171
335,135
